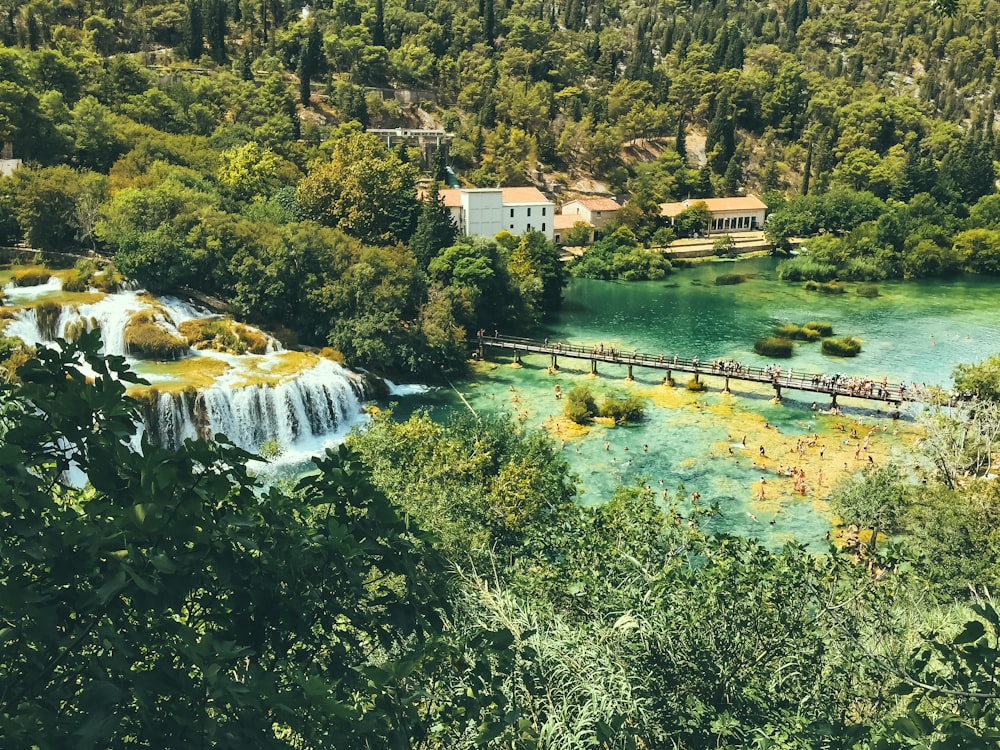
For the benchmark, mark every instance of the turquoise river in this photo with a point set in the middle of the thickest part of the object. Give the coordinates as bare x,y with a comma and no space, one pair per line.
913,331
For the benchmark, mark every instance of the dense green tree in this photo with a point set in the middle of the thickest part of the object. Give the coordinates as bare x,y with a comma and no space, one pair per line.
435,229
364,189
875,499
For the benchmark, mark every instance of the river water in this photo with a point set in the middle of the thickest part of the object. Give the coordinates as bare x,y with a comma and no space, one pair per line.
912,332
720,446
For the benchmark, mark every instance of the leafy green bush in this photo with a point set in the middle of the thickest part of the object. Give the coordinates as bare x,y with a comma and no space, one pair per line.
696,386
868,291
728,279
843,347
619,258
580,405
270,449
773,346
811,286
625,409
88,275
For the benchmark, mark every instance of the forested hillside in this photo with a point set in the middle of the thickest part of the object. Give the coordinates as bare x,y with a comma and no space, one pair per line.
850,88
215,145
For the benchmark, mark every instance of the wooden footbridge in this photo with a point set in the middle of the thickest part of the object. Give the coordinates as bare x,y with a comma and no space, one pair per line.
882,390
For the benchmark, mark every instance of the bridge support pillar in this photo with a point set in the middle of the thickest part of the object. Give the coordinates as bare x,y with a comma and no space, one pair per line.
517,357
777,392
696,376
555,362
726,388
669,380
629,373
833,403
593,367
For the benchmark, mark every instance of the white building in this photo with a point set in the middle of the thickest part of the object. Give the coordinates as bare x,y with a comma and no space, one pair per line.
488,211
597,212
728,214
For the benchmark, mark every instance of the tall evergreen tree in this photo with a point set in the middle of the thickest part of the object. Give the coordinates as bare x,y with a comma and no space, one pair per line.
807,170
435,230
378,25
195,30
680,145
216,17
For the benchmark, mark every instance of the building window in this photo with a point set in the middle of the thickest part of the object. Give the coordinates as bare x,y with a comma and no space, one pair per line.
511,226
543,210
512,213
529,227
543,223
529,210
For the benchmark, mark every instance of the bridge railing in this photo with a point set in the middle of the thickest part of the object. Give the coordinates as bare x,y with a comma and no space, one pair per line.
857,386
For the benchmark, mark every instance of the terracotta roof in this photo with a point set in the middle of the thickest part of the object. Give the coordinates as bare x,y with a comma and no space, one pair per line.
523,195
451,197
597,204
566,221
715,205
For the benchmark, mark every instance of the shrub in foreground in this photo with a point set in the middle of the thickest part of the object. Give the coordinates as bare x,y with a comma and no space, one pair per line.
868,291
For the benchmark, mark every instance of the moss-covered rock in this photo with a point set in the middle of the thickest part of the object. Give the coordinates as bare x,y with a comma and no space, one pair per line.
843,347
224,335
148,338
821,327
31,277
728,279
47,315
774,346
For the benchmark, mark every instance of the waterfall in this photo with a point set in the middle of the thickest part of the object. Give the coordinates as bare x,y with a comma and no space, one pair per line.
315,403
299,400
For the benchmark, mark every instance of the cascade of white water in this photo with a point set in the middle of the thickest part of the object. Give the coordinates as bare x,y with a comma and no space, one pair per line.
174,416
314,403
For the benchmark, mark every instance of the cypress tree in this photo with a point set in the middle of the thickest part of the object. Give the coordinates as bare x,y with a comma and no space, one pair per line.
378,27
807,170
680,145
216,17
734,174
246,69
34,34
196,30
305,90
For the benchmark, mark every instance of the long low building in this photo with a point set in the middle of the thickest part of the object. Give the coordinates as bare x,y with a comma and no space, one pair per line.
488,211
728,214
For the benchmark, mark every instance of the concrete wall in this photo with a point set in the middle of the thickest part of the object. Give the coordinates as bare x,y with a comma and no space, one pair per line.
483,212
